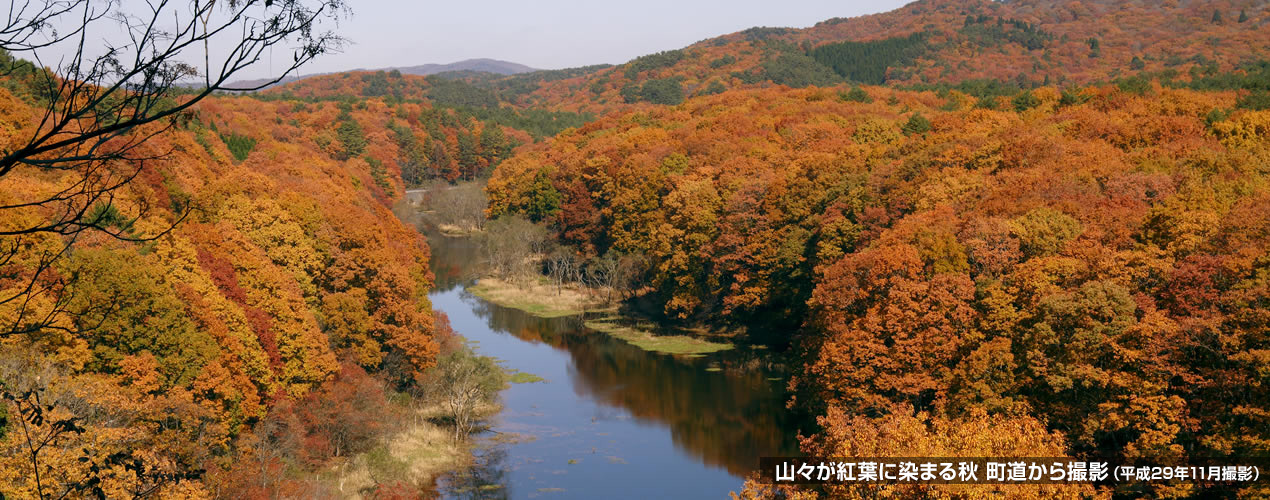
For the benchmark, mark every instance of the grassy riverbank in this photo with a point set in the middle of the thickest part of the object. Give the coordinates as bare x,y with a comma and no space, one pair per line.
457,231
538,297
412,458
428,430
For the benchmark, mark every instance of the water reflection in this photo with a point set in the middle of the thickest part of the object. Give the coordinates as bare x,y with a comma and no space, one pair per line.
611,417
486,478
453,259
727,417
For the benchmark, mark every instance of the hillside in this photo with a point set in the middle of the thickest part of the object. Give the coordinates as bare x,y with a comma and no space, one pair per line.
261,337
454,100
1093,261
1022,43
981,47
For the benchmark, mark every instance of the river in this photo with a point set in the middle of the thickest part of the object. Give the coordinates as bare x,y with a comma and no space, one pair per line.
610,420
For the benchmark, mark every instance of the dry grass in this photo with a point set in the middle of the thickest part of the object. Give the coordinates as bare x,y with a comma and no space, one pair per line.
457,231
417,455
539,297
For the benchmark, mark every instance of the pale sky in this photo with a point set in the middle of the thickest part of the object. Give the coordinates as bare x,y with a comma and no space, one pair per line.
544,34
551,34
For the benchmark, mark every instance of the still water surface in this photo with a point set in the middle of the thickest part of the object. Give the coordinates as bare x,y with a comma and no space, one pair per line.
611,420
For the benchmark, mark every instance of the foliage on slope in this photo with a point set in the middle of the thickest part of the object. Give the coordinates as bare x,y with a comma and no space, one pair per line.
238,345
1094,259
1022,43
467,100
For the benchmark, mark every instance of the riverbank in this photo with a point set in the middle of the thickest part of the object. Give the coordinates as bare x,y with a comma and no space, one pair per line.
603,407
539,297
413,458
455,231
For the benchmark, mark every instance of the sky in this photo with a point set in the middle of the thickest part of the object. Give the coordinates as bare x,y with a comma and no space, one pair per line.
543,34
552,34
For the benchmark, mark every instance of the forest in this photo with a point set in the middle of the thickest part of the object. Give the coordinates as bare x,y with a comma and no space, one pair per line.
287,279
932,262
223,305
1024,228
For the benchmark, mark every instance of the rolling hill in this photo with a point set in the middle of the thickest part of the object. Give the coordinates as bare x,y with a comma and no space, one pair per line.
1019,43
490,66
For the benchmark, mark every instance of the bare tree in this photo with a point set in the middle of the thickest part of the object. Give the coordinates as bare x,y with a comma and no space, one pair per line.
465,381
612,273
100,106
561,265
511,245
462,205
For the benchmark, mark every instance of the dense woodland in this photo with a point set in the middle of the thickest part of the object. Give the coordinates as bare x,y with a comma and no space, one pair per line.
1029,228
1094,265
274,331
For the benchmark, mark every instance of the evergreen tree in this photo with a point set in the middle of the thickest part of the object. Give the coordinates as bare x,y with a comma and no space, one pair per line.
867,62
797,70
1072,97
544,200
917,124
1216,16
442,165
411,156
352,139
1137,64
239,145
662,91
652,61
494,146
1243,16
1025,101
857,94
469,158
715,87
630,93
376,84
379,174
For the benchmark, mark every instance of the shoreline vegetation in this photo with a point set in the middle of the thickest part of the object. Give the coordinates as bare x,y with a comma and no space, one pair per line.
455,231
540,298
437,422
456,210
524,269
418,455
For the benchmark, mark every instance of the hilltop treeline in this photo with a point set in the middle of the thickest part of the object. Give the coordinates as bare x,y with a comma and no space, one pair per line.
1024,44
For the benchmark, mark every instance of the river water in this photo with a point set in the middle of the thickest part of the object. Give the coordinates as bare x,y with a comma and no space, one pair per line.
610,420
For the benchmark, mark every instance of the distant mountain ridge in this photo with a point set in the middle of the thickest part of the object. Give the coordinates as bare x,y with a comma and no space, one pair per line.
984,48
482,65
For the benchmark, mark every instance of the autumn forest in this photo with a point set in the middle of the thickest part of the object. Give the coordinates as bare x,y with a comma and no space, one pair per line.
1026,228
